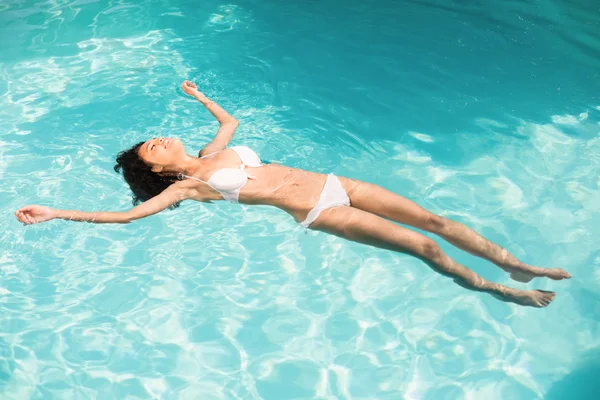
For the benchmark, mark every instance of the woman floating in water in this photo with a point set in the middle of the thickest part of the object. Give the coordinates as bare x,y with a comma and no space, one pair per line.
161,174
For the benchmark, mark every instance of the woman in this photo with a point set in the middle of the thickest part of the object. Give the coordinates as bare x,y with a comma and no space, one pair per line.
161,174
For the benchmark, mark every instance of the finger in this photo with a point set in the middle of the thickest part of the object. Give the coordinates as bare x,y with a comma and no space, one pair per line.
21,217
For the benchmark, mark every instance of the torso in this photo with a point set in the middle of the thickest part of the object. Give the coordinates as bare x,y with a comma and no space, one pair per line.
292,190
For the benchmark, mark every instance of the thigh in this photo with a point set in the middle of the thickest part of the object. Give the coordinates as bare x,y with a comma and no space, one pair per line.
363,227
387,204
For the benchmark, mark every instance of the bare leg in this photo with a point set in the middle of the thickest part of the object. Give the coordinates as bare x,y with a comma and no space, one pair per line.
470,241
377,200
363,227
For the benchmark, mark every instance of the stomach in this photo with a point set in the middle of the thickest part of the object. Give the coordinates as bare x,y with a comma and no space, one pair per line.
293,190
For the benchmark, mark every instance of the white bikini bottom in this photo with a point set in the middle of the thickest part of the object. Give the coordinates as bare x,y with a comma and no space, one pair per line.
332,195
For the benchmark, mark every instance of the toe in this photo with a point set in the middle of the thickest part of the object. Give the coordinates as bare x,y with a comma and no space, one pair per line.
558,273
546,298
544,302
546,291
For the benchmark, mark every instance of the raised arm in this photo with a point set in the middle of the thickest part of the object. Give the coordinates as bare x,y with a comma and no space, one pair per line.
228,123
36,214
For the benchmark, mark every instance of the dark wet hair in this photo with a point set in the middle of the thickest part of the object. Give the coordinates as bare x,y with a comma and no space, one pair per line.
144,183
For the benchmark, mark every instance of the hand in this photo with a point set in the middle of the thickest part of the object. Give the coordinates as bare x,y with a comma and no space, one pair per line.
191,89
34,214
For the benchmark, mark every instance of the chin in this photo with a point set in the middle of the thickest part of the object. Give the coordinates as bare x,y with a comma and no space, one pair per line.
176,144
178,148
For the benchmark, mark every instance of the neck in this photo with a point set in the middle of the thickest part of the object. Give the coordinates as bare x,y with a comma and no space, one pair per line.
189,165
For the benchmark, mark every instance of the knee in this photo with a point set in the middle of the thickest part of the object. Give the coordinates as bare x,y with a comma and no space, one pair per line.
430,249
434,223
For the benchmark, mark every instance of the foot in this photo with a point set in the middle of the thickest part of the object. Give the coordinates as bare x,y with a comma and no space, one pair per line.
533,298
527,273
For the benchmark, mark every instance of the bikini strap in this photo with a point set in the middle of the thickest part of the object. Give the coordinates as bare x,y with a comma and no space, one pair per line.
214,152
181,175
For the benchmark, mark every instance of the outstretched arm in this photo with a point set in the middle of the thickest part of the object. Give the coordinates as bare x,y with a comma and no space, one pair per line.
228,123
35,214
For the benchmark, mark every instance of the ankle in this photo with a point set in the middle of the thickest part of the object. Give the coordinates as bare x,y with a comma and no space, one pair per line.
511,262
498,289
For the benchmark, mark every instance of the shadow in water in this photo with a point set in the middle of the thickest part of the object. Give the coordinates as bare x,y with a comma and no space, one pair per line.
582,383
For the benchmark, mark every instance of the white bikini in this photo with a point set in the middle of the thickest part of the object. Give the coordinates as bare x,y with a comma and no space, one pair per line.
230,181
332,195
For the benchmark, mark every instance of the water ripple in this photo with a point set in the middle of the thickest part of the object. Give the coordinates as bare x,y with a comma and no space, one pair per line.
457,106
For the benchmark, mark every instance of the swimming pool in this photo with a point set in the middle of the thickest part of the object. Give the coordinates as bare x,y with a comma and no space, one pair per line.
486,114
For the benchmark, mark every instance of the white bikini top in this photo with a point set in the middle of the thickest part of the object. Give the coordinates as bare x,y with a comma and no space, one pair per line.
229,181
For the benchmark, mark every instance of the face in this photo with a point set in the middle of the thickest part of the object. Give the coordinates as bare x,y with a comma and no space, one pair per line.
162,154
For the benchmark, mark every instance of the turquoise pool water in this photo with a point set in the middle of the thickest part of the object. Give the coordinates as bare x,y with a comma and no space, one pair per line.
487,114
